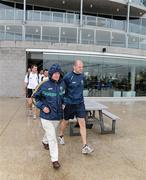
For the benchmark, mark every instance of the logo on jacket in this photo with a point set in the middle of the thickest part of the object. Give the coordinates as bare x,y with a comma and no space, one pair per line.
61,88
50,89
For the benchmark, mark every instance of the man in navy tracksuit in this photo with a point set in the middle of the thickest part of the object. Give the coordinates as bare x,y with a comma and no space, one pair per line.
74,103
49,99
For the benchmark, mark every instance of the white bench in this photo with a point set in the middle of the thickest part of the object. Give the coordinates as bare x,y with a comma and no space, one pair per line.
114,118
73,131
90,118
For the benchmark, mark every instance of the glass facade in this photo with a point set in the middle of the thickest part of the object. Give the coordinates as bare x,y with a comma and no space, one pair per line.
106,75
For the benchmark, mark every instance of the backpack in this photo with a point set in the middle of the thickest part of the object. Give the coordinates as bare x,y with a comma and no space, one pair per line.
28,74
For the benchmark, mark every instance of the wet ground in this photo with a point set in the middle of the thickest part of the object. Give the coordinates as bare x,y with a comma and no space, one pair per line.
120,156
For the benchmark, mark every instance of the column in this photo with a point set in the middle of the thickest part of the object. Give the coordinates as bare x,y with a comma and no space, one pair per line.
24,20
132,80
23,32
127,26
81,13
81,20
59,35
24,11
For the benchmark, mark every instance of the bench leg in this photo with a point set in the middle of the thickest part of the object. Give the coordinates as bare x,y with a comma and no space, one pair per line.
112,131
103,130
113,126
71,130
101,122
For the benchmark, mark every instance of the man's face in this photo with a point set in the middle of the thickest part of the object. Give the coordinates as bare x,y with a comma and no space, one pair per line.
46,73
78,67
41,71
56,76
34,69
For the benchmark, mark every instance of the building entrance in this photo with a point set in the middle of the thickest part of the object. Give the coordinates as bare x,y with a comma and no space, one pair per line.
34,58
106,74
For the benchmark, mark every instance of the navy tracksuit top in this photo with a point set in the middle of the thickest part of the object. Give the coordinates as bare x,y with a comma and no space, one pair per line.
50,94
74,88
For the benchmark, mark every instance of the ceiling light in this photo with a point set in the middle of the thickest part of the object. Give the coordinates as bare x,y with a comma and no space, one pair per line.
63,2
91,5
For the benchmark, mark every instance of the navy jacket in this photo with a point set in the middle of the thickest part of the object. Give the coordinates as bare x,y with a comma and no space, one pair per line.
74,88
50,94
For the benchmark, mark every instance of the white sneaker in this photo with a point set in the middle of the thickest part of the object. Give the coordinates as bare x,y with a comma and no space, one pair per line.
34,116
61,140
87,149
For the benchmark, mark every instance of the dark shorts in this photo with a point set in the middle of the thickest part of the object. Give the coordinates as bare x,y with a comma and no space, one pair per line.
74,110
29,93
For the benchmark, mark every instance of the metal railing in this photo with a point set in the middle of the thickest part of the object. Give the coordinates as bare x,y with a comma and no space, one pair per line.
138,2
64,27
59,17
72,19
71,35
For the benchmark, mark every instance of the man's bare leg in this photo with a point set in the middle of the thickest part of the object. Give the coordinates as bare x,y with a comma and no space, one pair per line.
32,110
63,126
86,149
83,133
29,105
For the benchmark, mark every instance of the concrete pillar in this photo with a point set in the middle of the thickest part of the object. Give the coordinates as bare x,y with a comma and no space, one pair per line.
24,11
128,16
81,13
59,35
81,21
41,33
23,32
132,80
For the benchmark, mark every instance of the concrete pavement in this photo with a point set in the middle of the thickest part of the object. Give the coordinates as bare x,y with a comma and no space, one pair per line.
120,156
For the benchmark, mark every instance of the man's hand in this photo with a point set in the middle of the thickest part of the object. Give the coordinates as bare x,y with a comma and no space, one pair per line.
46,110
63,106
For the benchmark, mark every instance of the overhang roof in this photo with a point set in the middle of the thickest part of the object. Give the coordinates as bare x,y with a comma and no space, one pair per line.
111,7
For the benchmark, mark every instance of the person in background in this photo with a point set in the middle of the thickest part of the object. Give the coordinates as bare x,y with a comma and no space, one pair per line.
41,75
28,71
49,98
45,75
30,82
74,104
